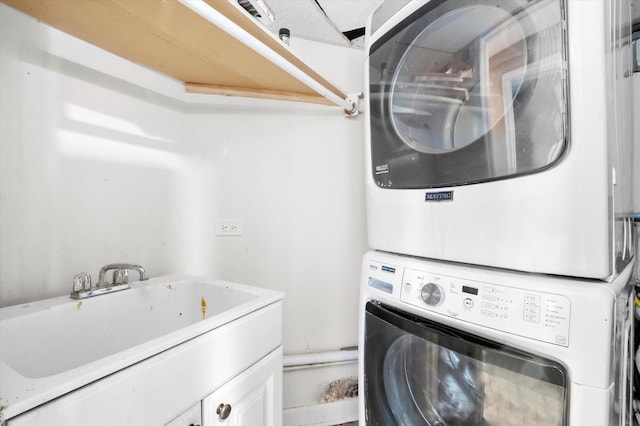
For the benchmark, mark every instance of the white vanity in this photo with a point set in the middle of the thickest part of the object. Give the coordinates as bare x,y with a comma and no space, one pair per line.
170,350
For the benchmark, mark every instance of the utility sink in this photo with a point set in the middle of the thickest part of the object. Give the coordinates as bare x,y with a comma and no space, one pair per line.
53,346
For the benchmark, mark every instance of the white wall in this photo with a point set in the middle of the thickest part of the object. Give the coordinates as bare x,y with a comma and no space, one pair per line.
104,161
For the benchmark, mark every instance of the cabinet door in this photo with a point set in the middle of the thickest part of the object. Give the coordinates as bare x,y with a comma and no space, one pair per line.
253,398
191,417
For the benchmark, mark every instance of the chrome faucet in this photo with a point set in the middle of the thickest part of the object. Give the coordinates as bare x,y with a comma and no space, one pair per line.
82,287
120,274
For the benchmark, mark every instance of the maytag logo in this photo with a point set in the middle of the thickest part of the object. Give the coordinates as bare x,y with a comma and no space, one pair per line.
439,196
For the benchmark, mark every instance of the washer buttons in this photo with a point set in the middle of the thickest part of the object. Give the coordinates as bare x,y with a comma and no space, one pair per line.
468,303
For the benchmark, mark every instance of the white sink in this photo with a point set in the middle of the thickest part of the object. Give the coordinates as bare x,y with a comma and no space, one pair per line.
53,346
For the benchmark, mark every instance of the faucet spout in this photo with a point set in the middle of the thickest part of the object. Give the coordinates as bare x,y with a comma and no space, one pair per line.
120,273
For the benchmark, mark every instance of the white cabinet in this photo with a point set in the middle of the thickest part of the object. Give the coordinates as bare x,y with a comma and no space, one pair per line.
253,398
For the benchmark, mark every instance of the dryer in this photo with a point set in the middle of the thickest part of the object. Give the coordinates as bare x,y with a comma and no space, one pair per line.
447,344
499,133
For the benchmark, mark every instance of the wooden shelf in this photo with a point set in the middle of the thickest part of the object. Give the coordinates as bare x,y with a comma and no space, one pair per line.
169,37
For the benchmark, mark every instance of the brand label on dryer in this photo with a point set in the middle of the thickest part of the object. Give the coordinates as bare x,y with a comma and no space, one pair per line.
439,196
381,169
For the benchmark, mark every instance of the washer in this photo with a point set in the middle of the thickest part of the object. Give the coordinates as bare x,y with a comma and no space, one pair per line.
509,121
447,344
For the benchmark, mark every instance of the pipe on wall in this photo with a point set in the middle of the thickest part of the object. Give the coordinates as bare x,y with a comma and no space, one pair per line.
320,358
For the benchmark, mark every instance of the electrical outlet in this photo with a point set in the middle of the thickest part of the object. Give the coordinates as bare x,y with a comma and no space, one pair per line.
228,227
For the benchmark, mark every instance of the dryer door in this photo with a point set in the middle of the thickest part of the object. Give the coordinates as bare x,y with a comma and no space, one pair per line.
417,372
468,91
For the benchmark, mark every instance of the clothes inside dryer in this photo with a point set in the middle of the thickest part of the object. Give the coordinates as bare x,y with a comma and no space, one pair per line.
418,373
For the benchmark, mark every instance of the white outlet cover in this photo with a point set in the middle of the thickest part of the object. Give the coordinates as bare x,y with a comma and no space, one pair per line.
228,227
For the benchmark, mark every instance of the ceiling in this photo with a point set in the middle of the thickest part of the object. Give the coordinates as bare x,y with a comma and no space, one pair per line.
323,20
327,20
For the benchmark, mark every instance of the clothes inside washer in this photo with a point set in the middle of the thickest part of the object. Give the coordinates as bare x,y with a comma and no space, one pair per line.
429,385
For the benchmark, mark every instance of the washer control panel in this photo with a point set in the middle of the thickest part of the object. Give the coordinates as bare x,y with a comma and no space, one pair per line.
533,314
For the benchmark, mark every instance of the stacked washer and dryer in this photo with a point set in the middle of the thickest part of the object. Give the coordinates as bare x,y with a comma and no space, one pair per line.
500,216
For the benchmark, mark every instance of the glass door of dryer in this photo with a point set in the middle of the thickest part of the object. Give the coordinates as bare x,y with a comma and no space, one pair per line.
421,373
468,91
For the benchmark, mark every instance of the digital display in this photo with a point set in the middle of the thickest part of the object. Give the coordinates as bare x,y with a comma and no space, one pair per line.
470,290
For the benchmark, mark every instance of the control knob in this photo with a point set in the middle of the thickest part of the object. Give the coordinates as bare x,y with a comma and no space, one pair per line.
432,294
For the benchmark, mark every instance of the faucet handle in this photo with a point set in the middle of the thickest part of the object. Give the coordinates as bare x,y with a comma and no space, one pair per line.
82,281
120,276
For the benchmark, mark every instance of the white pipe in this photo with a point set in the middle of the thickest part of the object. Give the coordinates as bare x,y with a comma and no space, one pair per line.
234,30
298,360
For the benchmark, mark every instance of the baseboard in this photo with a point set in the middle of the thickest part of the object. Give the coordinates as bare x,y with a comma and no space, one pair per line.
331,413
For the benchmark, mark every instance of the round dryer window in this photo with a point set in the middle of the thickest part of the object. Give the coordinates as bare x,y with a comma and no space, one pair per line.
448,87
474,87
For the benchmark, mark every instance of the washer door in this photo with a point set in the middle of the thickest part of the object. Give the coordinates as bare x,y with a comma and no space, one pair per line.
468,91
421,373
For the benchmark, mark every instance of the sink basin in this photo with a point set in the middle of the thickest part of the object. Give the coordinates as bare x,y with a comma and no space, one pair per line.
52,346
